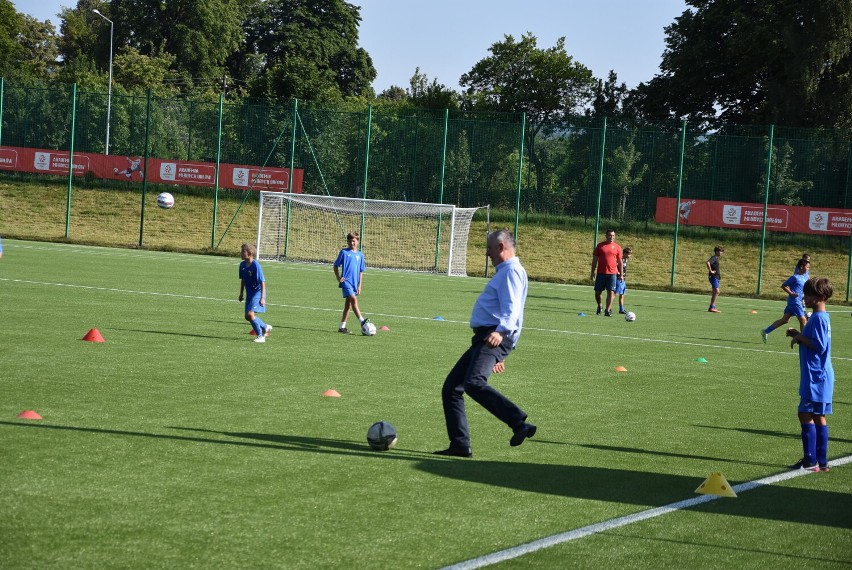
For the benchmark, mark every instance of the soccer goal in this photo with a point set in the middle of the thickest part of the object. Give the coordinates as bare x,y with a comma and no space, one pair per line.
410,236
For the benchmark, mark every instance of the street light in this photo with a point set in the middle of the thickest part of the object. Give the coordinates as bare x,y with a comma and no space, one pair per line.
109,89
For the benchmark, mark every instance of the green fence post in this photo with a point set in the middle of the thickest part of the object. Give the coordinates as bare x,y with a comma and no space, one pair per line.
441,190
290,183
600,182
71,160
677,202
218,165
366,165
2,90
765,207
145,168
520,173
849,270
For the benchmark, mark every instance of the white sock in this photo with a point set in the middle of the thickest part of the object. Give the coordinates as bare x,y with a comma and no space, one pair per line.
361,320
343,325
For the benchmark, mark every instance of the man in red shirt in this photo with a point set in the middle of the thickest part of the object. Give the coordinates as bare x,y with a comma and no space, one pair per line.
608,261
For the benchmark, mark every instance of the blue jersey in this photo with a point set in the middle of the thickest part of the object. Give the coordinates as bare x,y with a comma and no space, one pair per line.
252,276
796,284
352,264
816,383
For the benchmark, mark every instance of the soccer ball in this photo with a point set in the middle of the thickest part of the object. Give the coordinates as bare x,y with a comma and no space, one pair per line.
165,200
630,317
381,436
368,329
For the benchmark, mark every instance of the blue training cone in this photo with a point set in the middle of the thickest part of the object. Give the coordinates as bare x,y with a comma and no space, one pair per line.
438,318
581,314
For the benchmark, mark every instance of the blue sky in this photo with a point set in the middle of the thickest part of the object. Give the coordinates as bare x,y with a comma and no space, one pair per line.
446,38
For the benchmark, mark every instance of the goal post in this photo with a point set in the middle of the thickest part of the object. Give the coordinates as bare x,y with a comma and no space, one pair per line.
412,236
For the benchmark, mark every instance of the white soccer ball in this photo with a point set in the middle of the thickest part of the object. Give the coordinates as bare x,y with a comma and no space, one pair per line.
381,436
165,200
630,317
368,329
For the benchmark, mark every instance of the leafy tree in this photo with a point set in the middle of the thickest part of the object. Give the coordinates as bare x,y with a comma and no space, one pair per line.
773,61
27,46
609,98
306,49
518,76
626,171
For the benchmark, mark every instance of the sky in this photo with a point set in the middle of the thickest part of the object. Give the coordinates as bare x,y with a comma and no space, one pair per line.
446,38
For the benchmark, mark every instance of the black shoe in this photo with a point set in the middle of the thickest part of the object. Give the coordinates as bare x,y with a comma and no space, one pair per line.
598,311
455,452
607,313
344,330
802,464
622,312
523,432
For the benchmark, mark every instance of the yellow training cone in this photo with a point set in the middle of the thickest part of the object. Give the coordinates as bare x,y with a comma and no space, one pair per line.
716,484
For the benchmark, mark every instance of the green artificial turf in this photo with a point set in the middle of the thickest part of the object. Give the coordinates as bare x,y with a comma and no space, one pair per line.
178,442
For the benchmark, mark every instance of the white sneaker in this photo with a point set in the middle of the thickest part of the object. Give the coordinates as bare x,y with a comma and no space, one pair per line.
260,339
267,330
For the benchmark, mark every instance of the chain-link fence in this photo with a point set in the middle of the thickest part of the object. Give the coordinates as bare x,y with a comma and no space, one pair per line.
669,186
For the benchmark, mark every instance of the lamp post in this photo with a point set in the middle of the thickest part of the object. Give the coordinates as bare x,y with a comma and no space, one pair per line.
109,88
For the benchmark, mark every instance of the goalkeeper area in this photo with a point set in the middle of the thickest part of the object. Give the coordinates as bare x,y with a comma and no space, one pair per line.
409,236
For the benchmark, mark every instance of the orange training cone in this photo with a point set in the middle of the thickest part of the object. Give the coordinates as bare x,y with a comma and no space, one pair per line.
93,336
252,332
29,415
384,328
331,393
620,369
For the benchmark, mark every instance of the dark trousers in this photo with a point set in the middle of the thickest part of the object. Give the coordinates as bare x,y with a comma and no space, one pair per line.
470,375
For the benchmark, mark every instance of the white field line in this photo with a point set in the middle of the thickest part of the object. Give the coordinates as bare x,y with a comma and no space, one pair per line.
409,317
604,526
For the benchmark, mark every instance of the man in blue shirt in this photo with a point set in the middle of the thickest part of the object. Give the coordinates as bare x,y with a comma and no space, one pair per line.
497,319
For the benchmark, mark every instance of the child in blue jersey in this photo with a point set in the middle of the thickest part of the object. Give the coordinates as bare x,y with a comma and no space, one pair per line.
254,284
1,247
349,269
621,284
793,287
816,384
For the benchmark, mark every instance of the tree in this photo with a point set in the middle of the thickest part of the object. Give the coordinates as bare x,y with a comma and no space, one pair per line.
306,49
773,61
609,98
546,84
27,46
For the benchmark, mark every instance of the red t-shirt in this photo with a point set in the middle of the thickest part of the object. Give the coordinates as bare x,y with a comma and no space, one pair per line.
608,255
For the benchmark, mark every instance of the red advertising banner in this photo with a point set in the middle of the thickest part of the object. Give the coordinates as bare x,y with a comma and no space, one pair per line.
793,219
160,171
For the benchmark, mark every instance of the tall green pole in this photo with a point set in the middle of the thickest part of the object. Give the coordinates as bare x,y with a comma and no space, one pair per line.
765,206
218,166
145,169
600,182
71,160
441,189
520,172
2,90
677,202
366,164
292,167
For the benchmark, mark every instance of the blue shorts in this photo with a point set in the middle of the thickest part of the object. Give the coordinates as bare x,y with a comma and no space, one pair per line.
714,282
620,286
253,303
605,281
348,291
796,309
817,408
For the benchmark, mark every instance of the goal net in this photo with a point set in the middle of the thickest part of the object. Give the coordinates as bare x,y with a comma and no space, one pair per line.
394,235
